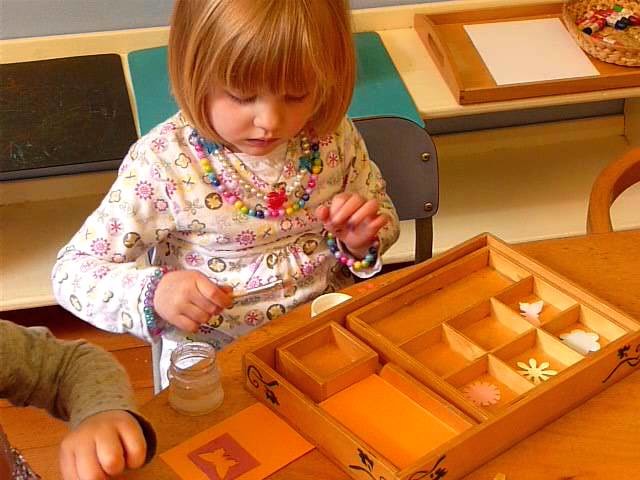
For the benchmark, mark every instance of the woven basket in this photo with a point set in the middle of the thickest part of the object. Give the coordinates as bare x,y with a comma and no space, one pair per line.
620,55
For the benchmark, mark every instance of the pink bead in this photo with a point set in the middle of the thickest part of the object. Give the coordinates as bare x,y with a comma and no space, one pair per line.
311,184
344,260
350,262
308,190
231,199
314,177
281,212
273,213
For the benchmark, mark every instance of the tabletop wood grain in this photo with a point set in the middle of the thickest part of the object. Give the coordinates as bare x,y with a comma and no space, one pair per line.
598,440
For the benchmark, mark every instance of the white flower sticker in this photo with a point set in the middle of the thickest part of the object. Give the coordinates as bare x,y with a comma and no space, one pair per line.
531,311
581,341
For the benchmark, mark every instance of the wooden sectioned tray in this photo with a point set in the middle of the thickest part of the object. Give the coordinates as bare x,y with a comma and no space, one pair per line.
470,81
434,373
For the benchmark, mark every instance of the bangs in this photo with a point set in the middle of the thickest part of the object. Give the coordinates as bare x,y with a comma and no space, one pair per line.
280,54
292,47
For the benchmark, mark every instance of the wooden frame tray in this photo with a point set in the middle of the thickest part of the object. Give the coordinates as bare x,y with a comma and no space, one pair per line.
463,69
404,381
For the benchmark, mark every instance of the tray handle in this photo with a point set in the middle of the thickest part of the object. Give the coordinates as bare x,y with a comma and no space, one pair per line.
428,33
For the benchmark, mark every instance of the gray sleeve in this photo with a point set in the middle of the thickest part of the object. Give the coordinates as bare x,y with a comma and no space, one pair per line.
71,379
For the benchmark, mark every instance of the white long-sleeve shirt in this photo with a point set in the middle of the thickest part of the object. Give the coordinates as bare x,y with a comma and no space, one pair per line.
163,202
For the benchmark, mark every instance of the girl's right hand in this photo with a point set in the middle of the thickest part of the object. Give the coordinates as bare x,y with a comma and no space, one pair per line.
188,299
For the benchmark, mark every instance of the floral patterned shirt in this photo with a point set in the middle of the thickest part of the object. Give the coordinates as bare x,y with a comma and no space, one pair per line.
162,202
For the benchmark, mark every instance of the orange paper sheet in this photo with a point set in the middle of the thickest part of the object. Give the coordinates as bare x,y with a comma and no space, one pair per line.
388,420
250,445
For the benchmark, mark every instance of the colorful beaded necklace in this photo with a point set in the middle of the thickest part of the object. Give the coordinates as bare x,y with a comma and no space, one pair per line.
283,200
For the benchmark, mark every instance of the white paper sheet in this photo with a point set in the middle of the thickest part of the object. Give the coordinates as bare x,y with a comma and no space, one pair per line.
529,51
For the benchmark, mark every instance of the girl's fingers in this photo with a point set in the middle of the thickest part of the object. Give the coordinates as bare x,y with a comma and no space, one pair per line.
203,303
342,214
195,313
322,213
339,200
376,224
367,210
213,293
185,323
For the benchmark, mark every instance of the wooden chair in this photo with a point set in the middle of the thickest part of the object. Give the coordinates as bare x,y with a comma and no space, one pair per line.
608,186
407,158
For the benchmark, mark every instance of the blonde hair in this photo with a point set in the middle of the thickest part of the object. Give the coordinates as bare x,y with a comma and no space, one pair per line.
281,46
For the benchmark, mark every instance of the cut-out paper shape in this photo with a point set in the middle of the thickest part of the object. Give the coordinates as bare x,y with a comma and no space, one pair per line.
482,394
536,373
221,461
581,341
531,311
250,445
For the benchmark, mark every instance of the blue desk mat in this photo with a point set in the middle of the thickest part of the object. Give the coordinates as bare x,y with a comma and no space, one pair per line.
379,89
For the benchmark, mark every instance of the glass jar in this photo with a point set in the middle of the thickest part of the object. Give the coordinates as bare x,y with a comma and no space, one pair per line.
194,379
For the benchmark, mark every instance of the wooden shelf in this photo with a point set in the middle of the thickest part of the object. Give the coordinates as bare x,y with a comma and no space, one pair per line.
527,183
28,248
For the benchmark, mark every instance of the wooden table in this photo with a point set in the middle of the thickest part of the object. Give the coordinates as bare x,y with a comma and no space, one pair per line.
598,440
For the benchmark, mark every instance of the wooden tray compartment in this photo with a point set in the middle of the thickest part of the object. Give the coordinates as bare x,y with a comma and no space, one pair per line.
490,384
379,406
541,347
469,278
442,350
533,289
490,324
588,320
444,293
325,361
469,79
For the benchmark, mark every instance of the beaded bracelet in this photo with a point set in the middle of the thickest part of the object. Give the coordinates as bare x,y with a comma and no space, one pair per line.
368,261
149,313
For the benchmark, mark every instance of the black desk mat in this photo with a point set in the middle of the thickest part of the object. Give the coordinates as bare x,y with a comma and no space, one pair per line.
64,115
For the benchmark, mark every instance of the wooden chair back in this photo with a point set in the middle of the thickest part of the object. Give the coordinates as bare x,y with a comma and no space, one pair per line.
608,186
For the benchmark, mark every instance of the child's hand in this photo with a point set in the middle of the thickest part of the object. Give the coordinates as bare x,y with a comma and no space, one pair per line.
188,299
102,446
353,220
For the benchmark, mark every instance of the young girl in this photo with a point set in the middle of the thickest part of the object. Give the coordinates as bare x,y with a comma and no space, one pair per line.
256,197
78,382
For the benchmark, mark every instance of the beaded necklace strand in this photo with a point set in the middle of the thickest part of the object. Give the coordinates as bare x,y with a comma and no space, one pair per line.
281,201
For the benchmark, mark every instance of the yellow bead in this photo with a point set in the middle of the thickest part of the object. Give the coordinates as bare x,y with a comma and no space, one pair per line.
245,210
289,211
207,168
238,204
357,266
316,169
296,207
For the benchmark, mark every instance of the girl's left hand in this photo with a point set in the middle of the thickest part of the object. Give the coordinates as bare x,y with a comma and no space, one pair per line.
354,220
